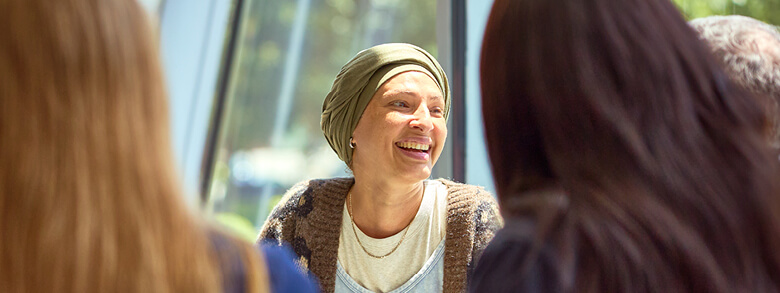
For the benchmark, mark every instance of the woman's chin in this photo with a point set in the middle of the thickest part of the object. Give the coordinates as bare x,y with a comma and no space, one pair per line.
418,174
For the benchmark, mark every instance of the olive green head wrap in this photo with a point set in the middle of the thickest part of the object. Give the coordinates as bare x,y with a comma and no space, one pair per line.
358,81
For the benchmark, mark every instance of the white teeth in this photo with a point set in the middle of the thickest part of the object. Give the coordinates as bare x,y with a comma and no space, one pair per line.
412,145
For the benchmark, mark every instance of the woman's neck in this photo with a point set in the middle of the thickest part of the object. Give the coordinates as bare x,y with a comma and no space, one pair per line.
381,209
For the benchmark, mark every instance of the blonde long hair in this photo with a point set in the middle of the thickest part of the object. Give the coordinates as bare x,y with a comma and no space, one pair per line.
89,200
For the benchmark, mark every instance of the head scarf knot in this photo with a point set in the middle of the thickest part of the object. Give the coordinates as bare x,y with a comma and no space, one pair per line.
359,79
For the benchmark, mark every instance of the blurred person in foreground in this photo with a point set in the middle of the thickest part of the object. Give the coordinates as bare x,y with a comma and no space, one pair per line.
750,52
389,227
89,200
622,157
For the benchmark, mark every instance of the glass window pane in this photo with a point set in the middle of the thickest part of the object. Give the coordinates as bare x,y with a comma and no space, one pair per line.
152,6
286,58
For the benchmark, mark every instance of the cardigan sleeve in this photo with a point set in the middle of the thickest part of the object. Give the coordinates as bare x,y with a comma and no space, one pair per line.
472,221
279,228
487,221
282,225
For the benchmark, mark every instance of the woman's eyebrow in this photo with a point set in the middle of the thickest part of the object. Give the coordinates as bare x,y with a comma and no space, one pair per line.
393,93
436,98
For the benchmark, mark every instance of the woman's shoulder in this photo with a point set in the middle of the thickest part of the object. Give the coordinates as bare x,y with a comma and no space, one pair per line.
469,190
469,196
477,207
299,199
301,196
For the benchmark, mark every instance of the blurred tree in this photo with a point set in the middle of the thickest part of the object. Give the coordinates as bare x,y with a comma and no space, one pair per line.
765,10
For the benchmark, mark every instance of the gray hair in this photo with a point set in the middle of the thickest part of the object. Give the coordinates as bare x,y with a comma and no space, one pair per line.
750,52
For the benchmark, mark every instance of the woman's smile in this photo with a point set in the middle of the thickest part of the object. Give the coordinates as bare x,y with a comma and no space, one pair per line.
415,150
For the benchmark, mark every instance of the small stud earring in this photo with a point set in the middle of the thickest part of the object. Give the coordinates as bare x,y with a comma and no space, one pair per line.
351,143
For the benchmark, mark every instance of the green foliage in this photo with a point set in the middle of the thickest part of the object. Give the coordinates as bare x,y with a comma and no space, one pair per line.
765,10
237,225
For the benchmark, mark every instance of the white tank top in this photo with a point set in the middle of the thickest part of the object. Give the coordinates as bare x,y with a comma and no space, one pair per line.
427,230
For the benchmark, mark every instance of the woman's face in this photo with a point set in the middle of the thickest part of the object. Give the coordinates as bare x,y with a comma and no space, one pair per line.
402,130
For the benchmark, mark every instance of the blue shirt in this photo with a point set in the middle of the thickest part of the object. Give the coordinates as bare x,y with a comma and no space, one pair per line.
284,273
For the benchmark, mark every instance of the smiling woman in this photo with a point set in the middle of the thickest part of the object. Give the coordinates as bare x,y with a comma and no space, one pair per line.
390,227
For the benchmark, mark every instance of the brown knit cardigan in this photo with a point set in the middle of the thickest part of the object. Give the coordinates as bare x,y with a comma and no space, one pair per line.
309,219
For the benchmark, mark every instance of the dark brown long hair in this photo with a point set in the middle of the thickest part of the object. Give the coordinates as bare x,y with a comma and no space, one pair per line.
668,185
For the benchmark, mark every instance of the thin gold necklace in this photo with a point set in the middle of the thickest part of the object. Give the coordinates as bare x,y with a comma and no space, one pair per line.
349,211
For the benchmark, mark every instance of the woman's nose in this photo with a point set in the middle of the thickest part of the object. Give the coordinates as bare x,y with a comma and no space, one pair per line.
422,120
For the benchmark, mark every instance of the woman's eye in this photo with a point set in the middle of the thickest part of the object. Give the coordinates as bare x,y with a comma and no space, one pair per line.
400,104
437,111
